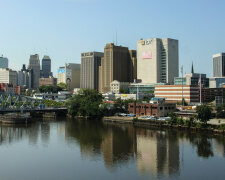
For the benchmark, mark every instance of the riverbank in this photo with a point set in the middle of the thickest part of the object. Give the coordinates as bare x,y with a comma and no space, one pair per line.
212,127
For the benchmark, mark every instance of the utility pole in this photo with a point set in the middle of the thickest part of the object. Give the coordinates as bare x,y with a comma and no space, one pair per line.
200,83
182,87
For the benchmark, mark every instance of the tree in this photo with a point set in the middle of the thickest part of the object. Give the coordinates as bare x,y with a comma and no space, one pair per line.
122,105
118,105
220,111
204,113
63,86
86,103
124,91
49,89
174,117
126,103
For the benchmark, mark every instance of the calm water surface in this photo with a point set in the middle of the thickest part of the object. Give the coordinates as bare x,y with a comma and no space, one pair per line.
92,150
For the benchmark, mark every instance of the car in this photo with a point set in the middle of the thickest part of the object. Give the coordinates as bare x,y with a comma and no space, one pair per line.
131,115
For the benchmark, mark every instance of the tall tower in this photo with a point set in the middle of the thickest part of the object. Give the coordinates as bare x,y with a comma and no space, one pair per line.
219,65
4,62
34,65
46,67
90,62
157,60
192,69
115,65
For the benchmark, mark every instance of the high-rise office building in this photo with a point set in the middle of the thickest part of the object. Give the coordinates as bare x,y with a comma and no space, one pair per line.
4,62
8,76
133,65
34,65
157,60
90,62
70,75
25,77
115,65
46,67
219,65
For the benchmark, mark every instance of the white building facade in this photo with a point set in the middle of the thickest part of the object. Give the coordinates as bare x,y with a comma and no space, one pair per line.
116,86
8,76
70,75
157,60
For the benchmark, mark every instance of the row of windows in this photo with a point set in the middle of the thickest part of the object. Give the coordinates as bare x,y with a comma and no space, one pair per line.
146,107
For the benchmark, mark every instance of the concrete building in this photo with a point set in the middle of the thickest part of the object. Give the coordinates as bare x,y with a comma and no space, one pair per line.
4,62
146,88
115,65
90,62
192,79
157,60
34,65
48,81
8,76
219,65
133,65
216,82
116,86
24,77
46,67
173,93
70,75
213,94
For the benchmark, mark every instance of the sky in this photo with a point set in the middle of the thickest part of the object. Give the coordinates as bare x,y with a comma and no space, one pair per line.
63,29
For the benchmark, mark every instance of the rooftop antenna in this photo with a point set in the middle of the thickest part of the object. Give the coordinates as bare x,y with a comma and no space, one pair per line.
113,39
116,36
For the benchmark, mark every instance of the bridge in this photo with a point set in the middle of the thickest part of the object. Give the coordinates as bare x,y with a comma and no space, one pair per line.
12,103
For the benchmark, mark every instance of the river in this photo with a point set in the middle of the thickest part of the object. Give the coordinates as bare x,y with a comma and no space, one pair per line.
66,149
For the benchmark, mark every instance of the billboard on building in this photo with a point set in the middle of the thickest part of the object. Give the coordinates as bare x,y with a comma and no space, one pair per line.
146,55
61,70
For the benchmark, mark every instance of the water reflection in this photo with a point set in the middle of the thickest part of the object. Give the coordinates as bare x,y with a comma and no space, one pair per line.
157,153
152,152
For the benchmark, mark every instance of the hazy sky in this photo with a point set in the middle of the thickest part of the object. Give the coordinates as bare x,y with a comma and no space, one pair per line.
63,29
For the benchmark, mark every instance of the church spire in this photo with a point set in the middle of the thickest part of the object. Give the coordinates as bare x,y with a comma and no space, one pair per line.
192,68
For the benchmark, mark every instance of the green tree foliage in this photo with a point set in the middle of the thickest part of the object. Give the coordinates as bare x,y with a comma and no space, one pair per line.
124,91
63,86
52,103
183,102
204,113
174,118
49,89
28,92
122,105
220,111
86,103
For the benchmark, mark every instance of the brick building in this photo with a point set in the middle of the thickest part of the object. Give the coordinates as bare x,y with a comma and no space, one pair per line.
7,88
20,90
159,110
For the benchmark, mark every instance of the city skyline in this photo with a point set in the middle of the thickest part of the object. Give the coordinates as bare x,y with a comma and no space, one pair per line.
64,33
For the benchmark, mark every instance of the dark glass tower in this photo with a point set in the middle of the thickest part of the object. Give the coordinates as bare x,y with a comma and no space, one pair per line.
46,67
